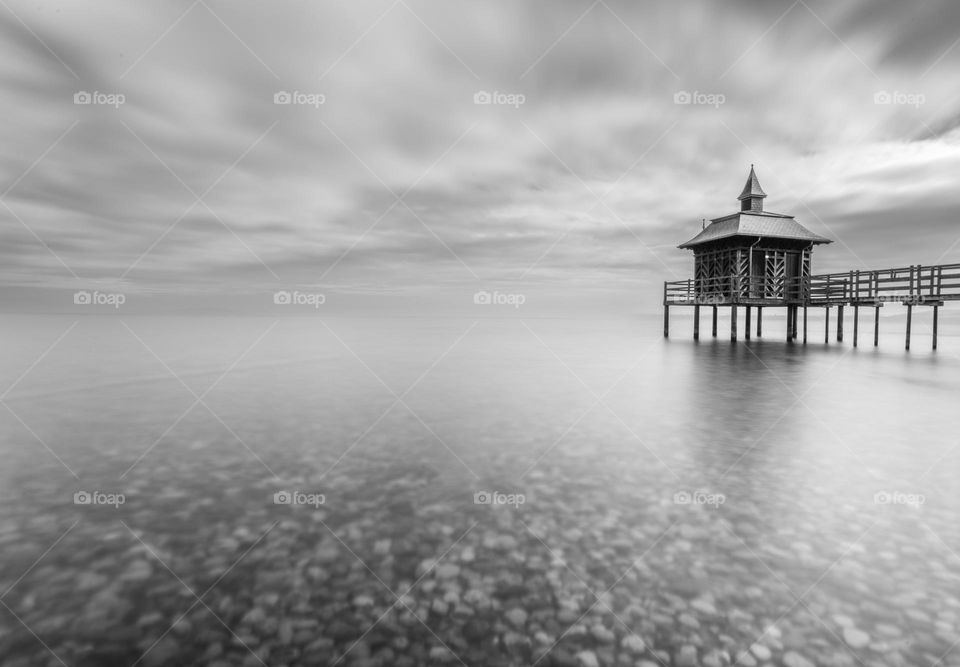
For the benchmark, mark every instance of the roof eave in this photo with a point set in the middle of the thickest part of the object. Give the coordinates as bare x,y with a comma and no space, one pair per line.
693,242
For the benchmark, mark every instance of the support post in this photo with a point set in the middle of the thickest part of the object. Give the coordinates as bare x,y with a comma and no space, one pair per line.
909,322
733,323
839,324
856,324
696,322
876,325
826,324
793,322
804,325
935,312
666,321
714,321
789,315
746,327
759,321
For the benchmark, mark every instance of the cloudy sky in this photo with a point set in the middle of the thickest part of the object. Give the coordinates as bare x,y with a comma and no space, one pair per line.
385,175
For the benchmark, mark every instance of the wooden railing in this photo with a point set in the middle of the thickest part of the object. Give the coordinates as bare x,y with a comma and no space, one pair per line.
910,284
725,289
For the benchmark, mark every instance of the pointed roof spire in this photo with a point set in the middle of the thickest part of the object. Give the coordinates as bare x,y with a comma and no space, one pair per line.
752,187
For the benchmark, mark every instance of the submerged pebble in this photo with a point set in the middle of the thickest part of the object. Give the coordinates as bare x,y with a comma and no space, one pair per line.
855,638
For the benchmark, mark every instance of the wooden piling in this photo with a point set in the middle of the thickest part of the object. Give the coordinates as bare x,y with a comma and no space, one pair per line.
826,325
935,310
856,324
804,325
789,317
696,322
909,322
876,325
746,325
733,323
759,321
714,321
839,324
666,321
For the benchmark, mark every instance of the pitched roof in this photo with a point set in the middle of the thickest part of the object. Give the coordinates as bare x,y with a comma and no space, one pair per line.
754,223
752,187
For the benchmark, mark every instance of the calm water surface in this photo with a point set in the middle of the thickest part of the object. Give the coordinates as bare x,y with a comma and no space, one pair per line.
665,501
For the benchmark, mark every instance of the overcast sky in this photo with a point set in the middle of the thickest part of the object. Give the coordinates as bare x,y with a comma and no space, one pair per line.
384,176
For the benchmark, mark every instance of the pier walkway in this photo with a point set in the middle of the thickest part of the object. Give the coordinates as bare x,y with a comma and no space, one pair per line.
910,286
